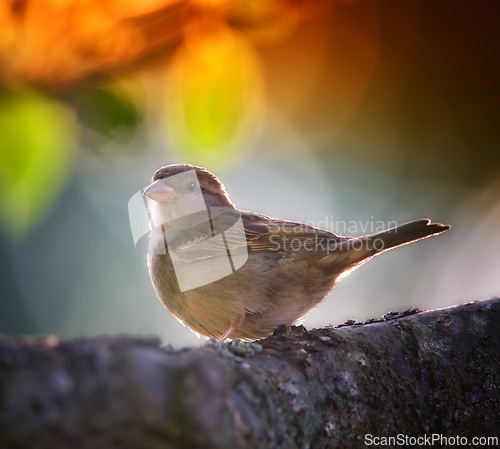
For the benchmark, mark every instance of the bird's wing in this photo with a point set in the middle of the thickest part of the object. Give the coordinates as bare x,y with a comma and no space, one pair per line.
270,234
213,238
254,233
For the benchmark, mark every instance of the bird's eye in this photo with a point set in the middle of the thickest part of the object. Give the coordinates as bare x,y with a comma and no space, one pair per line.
191,186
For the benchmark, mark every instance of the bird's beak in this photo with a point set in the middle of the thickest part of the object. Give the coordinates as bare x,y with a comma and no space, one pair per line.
159,191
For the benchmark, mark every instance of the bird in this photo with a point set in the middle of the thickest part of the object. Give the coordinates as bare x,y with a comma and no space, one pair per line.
233,274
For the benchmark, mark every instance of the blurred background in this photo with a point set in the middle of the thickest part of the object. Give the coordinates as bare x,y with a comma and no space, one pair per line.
345,114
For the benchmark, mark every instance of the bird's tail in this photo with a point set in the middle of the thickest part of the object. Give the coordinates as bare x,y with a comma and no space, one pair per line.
356,251
403,234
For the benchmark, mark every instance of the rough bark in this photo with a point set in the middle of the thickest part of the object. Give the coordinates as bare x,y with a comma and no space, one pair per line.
414,373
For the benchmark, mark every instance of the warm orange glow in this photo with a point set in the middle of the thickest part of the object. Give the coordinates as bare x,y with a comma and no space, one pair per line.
58,43
132,8
55,42
210,3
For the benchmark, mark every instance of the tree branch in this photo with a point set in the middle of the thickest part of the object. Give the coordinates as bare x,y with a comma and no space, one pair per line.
428,373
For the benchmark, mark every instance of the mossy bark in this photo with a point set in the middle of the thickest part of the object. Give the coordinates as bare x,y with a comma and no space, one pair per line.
414,374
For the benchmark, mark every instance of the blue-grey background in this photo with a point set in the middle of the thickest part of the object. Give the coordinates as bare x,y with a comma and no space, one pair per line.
414,135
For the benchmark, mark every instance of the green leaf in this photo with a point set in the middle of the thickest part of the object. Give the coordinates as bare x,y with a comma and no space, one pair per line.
35,157
109,112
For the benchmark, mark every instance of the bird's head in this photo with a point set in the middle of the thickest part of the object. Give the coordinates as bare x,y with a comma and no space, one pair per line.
181,190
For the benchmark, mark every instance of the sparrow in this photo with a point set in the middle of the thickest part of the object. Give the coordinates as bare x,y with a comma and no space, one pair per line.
228,273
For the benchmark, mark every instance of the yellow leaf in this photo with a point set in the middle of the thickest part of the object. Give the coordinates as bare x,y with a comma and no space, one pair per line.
214,96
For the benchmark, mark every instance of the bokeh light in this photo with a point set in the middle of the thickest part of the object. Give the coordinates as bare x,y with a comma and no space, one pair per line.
214,95
315,111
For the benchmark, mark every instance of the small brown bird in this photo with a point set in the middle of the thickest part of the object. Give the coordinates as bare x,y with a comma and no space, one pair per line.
236,274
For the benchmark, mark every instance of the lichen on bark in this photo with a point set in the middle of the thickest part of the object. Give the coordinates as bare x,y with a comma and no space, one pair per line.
413,373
